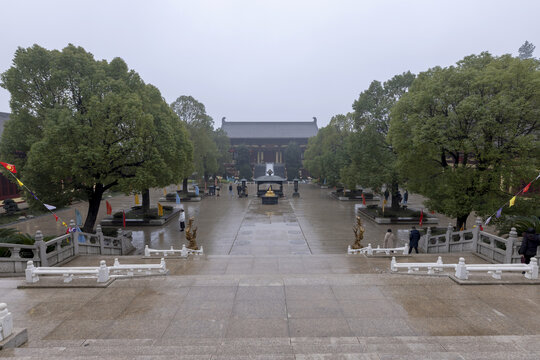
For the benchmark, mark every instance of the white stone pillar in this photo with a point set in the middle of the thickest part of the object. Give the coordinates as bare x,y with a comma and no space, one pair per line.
6,322
103,272
512,239
42,249
461,270
449,231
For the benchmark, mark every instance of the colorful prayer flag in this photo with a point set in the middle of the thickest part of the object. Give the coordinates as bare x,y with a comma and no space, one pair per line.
137,202
160,209
55,217
109,207
499,212
19,182
421,216
9,167
63,223
512,201
526,188
488,220
481,228
50,207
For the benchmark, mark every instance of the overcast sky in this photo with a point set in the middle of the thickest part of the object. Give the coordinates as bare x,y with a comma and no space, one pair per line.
270,60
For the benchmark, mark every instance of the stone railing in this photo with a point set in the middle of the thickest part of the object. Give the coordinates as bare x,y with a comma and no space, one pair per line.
62,248
463,270
488,246
184,252
378,250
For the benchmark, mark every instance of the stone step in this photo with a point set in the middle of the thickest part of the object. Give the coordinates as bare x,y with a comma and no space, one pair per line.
444,347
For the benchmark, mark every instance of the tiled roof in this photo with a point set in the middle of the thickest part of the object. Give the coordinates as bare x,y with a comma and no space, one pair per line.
270,129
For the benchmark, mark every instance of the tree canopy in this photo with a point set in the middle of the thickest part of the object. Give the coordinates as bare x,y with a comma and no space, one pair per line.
526,50
80,126
373,158
210,147
326,154
466,135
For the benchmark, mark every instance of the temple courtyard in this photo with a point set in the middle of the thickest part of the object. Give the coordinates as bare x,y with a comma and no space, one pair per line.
275,283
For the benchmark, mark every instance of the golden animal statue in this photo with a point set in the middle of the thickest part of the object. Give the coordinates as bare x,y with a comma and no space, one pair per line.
358,233
191,235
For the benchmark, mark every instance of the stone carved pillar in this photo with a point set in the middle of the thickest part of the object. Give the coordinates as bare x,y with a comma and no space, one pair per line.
6,322
101,239
449,231
42,249
512,239
476,234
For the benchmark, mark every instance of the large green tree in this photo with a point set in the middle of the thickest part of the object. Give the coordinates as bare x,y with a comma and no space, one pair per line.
201,129
326,154
467,135
373,158
293,160
80,127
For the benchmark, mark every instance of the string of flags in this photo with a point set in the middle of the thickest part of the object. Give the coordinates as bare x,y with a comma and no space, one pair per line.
12,170
511,202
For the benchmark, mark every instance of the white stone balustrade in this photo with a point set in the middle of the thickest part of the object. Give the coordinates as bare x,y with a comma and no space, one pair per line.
378,250
184,252
6,322
129,269
102,272
414,267
463,270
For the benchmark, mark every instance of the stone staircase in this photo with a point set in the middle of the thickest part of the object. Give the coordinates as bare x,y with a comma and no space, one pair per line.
278,307
525,347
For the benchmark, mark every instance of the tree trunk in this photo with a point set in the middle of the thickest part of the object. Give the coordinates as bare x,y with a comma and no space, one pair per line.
146,201
395,201
185,186
95,194
462,221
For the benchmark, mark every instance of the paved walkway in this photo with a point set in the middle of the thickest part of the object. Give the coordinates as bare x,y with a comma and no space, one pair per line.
275,284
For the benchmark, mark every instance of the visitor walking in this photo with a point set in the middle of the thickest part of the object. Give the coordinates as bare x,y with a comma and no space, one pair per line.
386,194
239,190
389,239
182,220
414,237
230,191
405,199
529,244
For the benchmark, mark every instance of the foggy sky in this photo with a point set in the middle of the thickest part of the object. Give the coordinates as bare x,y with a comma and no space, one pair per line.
270,60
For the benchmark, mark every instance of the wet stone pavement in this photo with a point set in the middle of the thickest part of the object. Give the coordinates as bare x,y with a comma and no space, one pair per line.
275,283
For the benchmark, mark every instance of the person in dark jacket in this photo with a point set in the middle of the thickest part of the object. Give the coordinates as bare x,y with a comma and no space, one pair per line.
414,237
529,245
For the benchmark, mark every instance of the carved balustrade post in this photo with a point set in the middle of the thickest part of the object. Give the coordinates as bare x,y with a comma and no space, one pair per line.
42,249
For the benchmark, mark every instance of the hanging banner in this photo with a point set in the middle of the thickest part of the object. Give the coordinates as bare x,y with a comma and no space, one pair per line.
160,209
137,202
109,207
9,167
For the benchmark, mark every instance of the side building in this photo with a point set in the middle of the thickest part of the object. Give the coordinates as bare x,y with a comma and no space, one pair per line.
267,140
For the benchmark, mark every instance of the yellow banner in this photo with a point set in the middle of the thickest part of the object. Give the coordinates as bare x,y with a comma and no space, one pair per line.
512,201
164,192
159,209
137,202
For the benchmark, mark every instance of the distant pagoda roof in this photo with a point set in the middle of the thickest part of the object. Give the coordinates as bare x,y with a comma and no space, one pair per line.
270,129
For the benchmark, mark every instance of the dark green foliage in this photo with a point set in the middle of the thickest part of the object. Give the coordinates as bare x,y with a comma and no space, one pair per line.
521,223
85,126
293,162
467,135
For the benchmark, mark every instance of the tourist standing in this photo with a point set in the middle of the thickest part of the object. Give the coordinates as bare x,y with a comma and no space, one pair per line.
386,194
239,189
182,220
529,244
414,237
405,199
230,191
389,239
